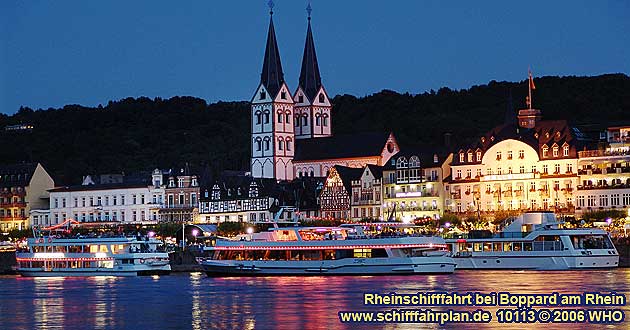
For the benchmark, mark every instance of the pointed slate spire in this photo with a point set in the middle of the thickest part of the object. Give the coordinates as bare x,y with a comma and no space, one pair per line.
272,76
310,80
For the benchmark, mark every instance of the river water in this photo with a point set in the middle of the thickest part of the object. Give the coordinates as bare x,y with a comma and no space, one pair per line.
194,301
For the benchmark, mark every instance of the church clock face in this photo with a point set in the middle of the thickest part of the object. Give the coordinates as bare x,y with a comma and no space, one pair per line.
390,147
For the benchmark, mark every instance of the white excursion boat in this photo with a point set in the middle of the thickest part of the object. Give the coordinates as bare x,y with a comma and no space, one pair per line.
326,251
93,256
534,240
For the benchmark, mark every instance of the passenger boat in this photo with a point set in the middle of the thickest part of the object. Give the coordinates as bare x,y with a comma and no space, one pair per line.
534,240
93,256
326,251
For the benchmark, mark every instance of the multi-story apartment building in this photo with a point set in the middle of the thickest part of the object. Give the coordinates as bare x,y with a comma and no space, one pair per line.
367,194
134,200
181,197
604,181
23,187
413,187
529,165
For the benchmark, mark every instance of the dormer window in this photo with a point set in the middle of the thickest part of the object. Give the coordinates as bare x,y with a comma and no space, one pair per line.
435,158
180,182
555,151
321,98
194,182
253,190
478,156
545,151
461,157
470,157
171,182
263,95
565,151
216,192
283,95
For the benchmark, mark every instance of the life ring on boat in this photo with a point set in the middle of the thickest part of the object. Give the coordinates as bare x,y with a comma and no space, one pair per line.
41,240
49,239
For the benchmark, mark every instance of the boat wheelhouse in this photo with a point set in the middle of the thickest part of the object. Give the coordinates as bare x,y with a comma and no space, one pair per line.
93,256
534,240
327,251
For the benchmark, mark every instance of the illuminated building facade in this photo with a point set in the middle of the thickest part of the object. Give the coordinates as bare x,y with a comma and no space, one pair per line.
529,165
413,187
292,134
181,196
335,196
367,195
604,175
23,187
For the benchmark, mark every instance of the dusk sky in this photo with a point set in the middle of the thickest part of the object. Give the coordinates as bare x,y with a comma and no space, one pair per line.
89,52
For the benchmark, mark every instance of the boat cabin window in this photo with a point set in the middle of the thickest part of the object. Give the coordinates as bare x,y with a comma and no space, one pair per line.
527,246
477,247
507,246
591,242
517,246
497,247
487,247
362,253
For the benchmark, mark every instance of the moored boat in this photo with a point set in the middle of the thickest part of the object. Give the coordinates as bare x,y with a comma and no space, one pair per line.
93,256
326,251
534,240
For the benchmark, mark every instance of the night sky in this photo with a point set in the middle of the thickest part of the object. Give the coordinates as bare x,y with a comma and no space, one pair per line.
89,52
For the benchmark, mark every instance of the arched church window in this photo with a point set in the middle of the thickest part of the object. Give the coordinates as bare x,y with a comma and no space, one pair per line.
288,144
263,95
318,120
279,117
280,144
266,144
325,120
258,118
296,120
266,117
305,120
321,98
258,144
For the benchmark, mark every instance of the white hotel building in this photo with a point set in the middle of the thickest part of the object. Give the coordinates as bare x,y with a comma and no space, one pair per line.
132,203
532,165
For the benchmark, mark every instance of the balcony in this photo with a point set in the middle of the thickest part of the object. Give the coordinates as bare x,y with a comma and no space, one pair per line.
176,206
602,153
13,204
594,187
12,218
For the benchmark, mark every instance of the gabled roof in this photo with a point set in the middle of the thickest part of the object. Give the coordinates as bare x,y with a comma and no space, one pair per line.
272,76
545,132
310,79
425,153
16,174
347,174
377,171
341,146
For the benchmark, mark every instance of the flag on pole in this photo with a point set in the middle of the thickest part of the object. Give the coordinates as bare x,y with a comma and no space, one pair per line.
531,81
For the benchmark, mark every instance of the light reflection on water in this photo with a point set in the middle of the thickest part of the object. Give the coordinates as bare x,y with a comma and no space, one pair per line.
194,301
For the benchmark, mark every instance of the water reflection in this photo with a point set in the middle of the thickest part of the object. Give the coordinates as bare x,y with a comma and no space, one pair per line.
194,301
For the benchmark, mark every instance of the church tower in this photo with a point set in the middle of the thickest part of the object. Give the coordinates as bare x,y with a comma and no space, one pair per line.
273,139
312,106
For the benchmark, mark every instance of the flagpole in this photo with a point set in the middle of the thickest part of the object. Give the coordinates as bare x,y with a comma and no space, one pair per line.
529,85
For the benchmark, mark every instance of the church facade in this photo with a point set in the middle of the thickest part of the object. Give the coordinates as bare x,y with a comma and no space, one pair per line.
292,133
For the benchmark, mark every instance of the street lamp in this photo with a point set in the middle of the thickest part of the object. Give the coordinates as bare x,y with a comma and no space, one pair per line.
195,232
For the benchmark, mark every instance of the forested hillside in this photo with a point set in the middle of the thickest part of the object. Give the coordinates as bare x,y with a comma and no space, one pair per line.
142,133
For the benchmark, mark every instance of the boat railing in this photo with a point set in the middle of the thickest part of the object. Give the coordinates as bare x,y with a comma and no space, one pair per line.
496,235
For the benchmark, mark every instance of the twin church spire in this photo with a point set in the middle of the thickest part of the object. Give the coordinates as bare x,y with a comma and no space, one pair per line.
280,119
272,76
